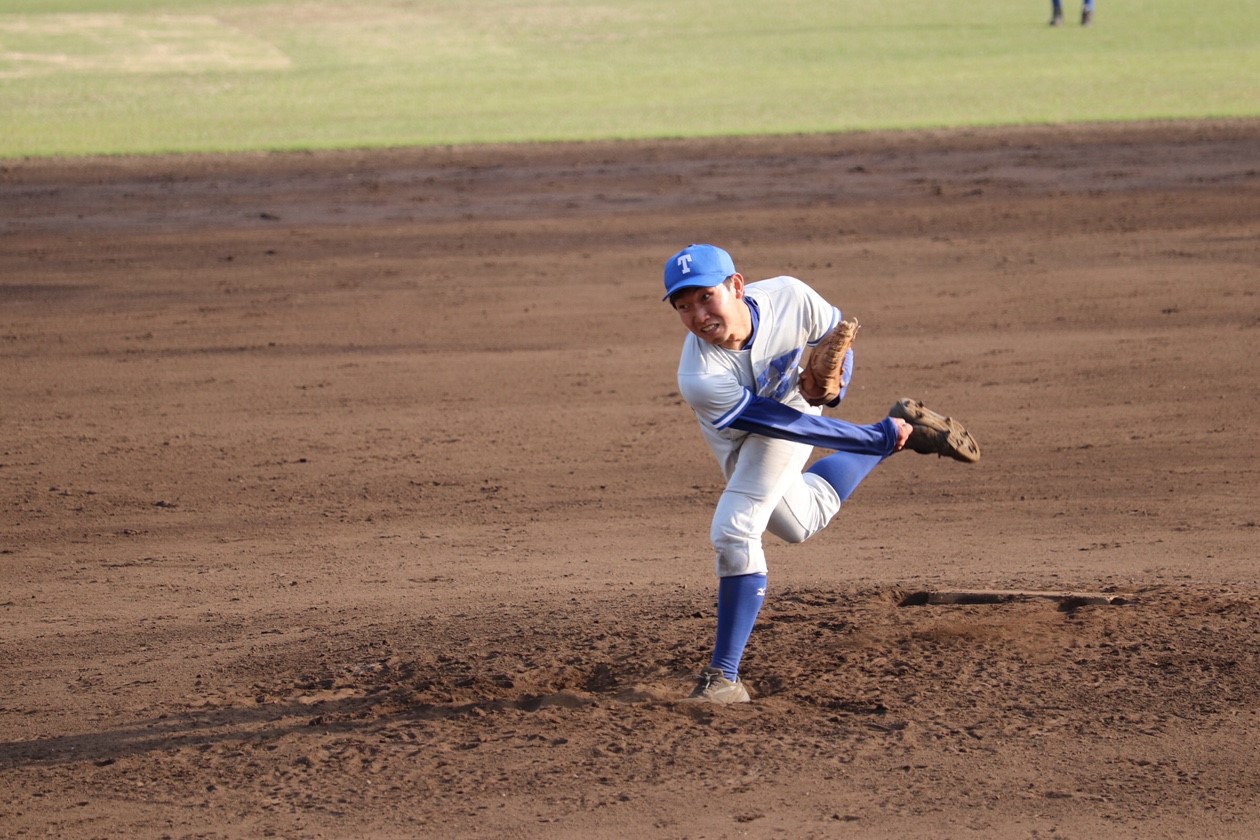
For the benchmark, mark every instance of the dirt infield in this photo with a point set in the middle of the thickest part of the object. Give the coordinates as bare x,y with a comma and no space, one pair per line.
351,495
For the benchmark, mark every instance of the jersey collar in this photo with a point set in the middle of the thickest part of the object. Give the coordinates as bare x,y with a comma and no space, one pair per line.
756,322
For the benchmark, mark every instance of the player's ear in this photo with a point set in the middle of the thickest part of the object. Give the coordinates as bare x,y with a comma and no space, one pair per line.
737,284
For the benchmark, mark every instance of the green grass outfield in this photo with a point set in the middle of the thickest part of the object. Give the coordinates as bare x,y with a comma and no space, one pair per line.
143,76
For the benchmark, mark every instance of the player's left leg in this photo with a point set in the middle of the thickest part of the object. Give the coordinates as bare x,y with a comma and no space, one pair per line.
739,601
765,468
765,471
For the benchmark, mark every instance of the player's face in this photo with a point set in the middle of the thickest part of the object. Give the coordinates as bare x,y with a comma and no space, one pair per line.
717,314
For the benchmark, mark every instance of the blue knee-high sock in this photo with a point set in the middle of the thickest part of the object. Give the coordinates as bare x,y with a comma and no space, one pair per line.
739,601
845,470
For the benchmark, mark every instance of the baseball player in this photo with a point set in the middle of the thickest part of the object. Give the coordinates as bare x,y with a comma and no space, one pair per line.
759,403
1056,12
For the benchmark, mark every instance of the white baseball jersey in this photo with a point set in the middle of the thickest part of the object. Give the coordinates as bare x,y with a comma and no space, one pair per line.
719,384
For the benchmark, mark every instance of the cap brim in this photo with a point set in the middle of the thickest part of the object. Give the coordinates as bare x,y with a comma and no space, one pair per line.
695,283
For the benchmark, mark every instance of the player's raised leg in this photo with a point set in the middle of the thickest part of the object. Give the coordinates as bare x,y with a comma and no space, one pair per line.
934,433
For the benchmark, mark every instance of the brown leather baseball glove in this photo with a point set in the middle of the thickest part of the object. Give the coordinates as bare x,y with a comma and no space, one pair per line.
820,380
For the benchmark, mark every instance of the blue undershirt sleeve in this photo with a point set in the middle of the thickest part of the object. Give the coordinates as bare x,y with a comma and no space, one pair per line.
770,418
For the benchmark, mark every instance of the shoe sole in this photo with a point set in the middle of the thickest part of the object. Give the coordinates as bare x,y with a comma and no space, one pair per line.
959,444
724,699
723,693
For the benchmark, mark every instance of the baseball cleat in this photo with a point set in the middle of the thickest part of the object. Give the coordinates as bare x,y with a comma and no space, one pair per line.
714,687
935,434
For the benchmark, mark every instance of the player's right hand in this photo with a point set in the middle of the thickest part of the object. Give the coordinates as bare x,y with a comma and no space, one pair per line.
903,432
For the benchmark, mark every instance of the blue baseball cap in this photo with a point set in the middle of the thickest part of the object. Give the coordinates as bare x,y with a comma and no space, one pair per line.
697,266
